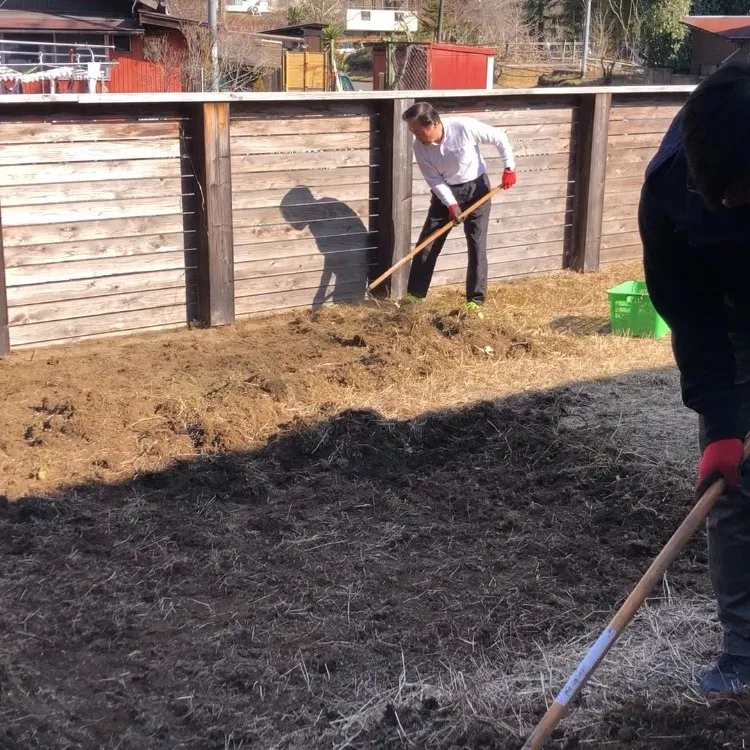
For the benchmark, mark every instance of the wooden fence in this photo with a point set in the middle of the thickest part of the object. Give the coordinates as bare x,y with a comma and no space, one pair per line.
122,214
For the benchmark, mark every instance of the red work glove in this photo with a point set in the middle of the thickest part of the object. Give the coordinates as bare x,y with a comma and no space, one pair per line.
509,179
721,459
454,212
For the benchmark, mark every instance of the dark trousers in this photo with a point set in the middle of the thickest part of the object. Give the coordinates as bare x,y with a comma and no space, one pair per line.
729,535
475,228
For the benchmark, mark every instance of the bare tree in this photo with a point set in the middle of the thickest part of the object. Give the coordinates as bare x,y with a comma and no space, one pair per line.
243,59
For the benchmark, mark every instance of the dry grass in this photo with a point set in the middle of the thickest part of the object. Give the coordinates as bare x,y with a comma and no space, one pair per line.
107,410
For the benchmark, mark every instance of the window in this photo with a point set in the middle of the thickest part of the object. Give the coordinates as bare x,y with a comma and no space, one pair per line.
121,43
365,15
399,16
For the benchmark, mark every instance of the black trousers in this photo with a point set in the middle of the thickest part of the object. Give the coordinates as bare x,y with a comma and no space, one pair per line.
475,228
729,533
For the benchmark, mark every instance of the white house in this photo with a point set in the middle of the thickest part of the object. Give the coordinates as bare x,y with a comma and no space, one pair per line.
381,16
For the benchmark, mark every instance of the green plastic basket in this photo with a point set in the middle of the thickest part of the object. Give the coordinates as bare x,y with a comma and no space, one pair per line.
632,313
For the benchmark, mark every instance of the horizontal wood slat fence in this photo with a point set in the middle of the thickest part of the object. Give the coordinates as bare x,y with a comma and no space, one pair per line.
125,214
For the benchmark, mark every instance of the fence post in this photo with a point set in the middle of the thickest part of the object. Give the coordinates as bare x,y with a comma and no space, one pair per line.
4,334
591,171
394,207
215,235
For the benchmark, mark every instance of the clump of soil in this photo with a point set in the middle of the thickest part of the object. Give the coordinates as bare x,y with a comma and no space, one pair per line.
259,598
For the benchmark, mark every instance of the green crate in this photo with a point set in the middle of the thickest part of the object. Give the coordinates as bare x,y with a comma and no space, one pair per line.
632,313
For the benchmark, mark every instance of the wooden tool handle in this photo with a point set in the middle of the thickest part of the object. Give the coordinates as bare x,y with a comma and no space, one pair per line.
625,614
429,240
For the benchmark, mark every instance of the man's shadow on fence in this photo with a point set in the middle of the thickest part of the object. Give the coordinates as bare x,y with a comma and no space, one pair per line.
342,238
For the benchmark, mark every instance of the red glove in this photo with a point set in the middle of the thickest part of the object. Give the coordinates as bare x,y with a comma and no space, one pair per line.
720,459
509,179
454,211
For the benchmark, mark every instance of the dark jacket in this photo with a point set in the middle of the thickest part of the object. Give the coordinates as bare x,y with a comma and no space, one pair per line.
698,275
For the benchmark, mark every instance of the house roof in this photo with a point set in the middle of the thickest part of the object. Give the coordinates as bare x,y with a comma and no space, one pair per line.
109,16
731,28
20,20
299,30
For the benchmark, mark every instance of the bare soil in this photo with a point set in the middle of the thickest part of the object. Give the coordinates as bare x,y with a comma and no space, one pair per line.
315,531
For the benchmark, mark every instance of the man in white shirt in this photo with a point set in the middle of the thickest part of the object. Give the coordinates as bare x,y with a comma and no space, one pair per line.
447,153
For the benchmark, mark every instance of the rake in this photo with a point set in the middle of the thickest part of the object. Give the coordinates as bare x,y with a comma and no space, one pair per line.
626,613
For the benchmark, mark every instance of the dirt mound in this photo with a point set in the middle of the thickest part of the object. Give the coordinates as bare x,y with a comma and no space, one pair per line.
261,598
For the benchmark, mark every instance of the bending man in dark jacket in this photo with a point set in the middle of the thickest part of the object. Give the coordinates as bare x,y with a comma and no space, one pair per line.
695,225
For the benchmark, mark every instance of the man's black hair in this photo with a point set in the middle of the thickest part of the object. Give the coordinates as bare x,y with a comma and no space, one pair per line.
715,130
422,113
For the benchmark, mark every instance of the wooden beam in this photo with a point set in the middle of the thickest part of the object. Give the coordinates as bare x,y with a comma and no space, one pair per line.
4,336
395,194
215,236
588,207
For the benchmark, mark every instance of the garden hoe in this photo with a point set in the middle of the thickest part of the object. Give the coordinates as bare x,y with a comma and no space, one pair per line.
625,614
429,240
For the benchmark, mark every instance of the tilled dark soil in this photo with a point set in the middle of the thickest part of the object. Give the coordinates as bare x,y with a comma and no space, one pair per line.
257,599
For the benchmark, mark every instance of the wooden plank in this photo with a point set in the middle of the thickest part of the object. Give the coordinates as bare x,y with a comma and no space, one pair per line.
638,112
623,185
640,125
92,230
544,183
38,333
87,270
34,292
77,132
630,141
111,251
456,246
53,153
301,247
590,181
303,125
262,268
111,335
321,231
269,198
295,144
259,304
519,216
625,252
20,216
275,163
529,148
502,270
640,156
395,206
64,172
501,117
252,111
454,253
351,277
312,178
624,211
216,236
301,209
52,310
511,239
4,336
76,192
617,200
539,131
618,226
611,241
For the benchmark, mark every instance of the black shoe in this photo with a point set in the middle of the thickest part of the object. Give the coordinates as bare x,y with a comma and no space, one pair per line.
730,675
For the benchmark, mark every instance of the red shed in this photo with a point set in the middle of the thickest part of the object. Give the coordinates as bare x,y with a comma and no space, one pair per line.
432,65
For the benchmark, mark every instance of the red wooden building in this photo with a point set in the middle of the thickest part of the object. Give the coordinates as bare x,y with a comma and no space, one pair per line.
429,65
75,46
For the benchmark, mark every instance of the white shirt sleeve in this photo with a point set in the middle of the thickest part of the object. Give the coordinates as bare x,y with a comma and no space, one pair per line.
483,133
435,181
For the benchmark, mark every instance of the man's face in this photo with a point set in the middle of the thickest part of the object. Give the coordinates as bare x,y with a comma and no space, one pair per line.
427,134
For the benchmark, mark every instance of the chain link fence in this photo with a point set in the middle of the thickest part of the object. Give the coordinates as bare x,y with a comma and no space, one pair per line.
407,67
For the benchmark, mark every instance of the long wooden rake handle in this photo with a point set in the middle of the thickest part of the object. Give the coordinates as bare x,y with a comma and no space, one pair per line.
429,240
625,614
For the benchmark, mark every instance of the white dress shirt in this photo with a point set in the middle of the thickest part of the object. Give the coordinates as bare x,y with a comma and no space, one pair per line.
456,159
